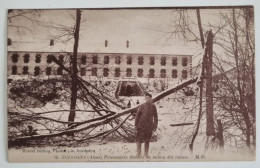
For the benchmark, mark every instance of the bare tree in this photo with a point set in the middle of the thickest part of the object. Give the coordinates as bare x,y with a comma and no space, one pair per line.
235,36
239,82
74,69
30,15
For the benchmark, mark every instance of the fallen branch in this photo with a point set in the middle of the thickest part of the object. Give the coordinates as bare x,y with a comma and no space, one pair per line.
83,83
182,124
117,127
109,119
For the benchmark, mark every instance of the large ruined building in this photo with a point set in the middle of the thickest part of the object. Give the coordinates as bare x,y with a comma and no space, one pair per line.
103,63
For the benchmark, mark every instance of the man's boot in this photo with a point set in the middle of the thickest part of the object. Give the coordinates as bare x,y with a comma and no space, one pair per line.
146,149
138,149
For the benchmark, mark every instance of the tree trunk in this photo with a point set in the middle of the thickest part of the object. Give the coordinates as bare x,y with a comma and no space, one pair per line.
202,76
209,91
199,117
200,28
220,135
248,49
74,72
240,90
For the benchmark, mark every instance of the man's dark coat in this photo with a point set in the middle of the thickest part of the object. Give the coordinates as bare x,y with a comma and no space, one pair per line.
146,118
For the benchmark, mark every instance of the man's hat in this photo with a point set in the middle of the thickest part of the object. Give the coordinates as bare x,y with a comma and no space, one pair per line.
148,94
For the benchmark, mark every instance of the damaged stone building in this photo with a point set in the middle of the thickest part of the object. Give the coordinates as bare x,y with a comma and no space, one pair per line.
104,63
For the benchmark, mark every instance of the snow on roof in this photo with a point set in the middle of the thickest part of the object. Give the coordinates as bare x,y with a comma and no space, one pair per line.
43,47
100,48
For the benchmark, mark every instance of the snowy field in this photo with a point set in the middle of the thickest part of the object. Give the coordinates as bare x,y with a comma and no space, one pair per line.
168,143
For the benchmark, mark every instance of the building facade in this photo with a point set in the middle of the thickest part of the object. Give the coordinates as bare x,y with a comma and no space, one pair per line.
106,65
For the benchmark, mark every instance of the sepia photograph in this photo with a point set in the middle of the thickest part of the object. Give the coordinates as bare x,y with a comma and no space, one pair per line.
140,84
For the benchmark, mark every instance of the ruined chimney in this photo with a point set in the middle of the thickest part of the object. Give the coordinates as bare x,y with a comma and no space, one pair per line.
9,41
51,42
127,44
106,43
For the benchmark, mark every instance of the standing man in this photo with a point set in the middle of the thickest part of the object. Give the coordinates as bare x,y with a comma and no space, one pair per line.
146,122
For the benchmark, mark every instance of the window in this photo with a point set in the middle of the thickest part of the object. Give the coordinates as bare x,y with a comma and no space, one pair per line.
106,59
152,61
94,72
25,70
117,72
48,71
15,57
83,59
37,71
184,61
128,72
61,59
129,60
95,59
14,70
163,73
140,60
26,58
184,74
174,73
38,58
163,61
117,59
151,73
49,58
105,72
174,61
59,71
83,71
140,73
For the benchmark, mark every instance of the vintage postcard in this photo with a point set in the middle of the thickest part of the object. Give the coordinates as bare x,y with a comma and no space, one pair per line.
131,84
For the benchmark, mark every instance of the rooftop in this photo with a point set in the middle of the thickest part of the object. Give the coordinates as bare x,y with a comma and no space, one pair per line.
100,48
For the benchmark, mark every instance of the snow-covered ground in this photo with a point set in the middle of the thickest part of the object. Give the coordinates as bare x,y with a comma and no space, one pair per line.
170,144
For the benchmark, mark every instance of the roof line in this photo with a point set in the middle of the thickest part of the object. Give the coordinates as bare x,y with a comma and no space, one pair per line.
99,53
